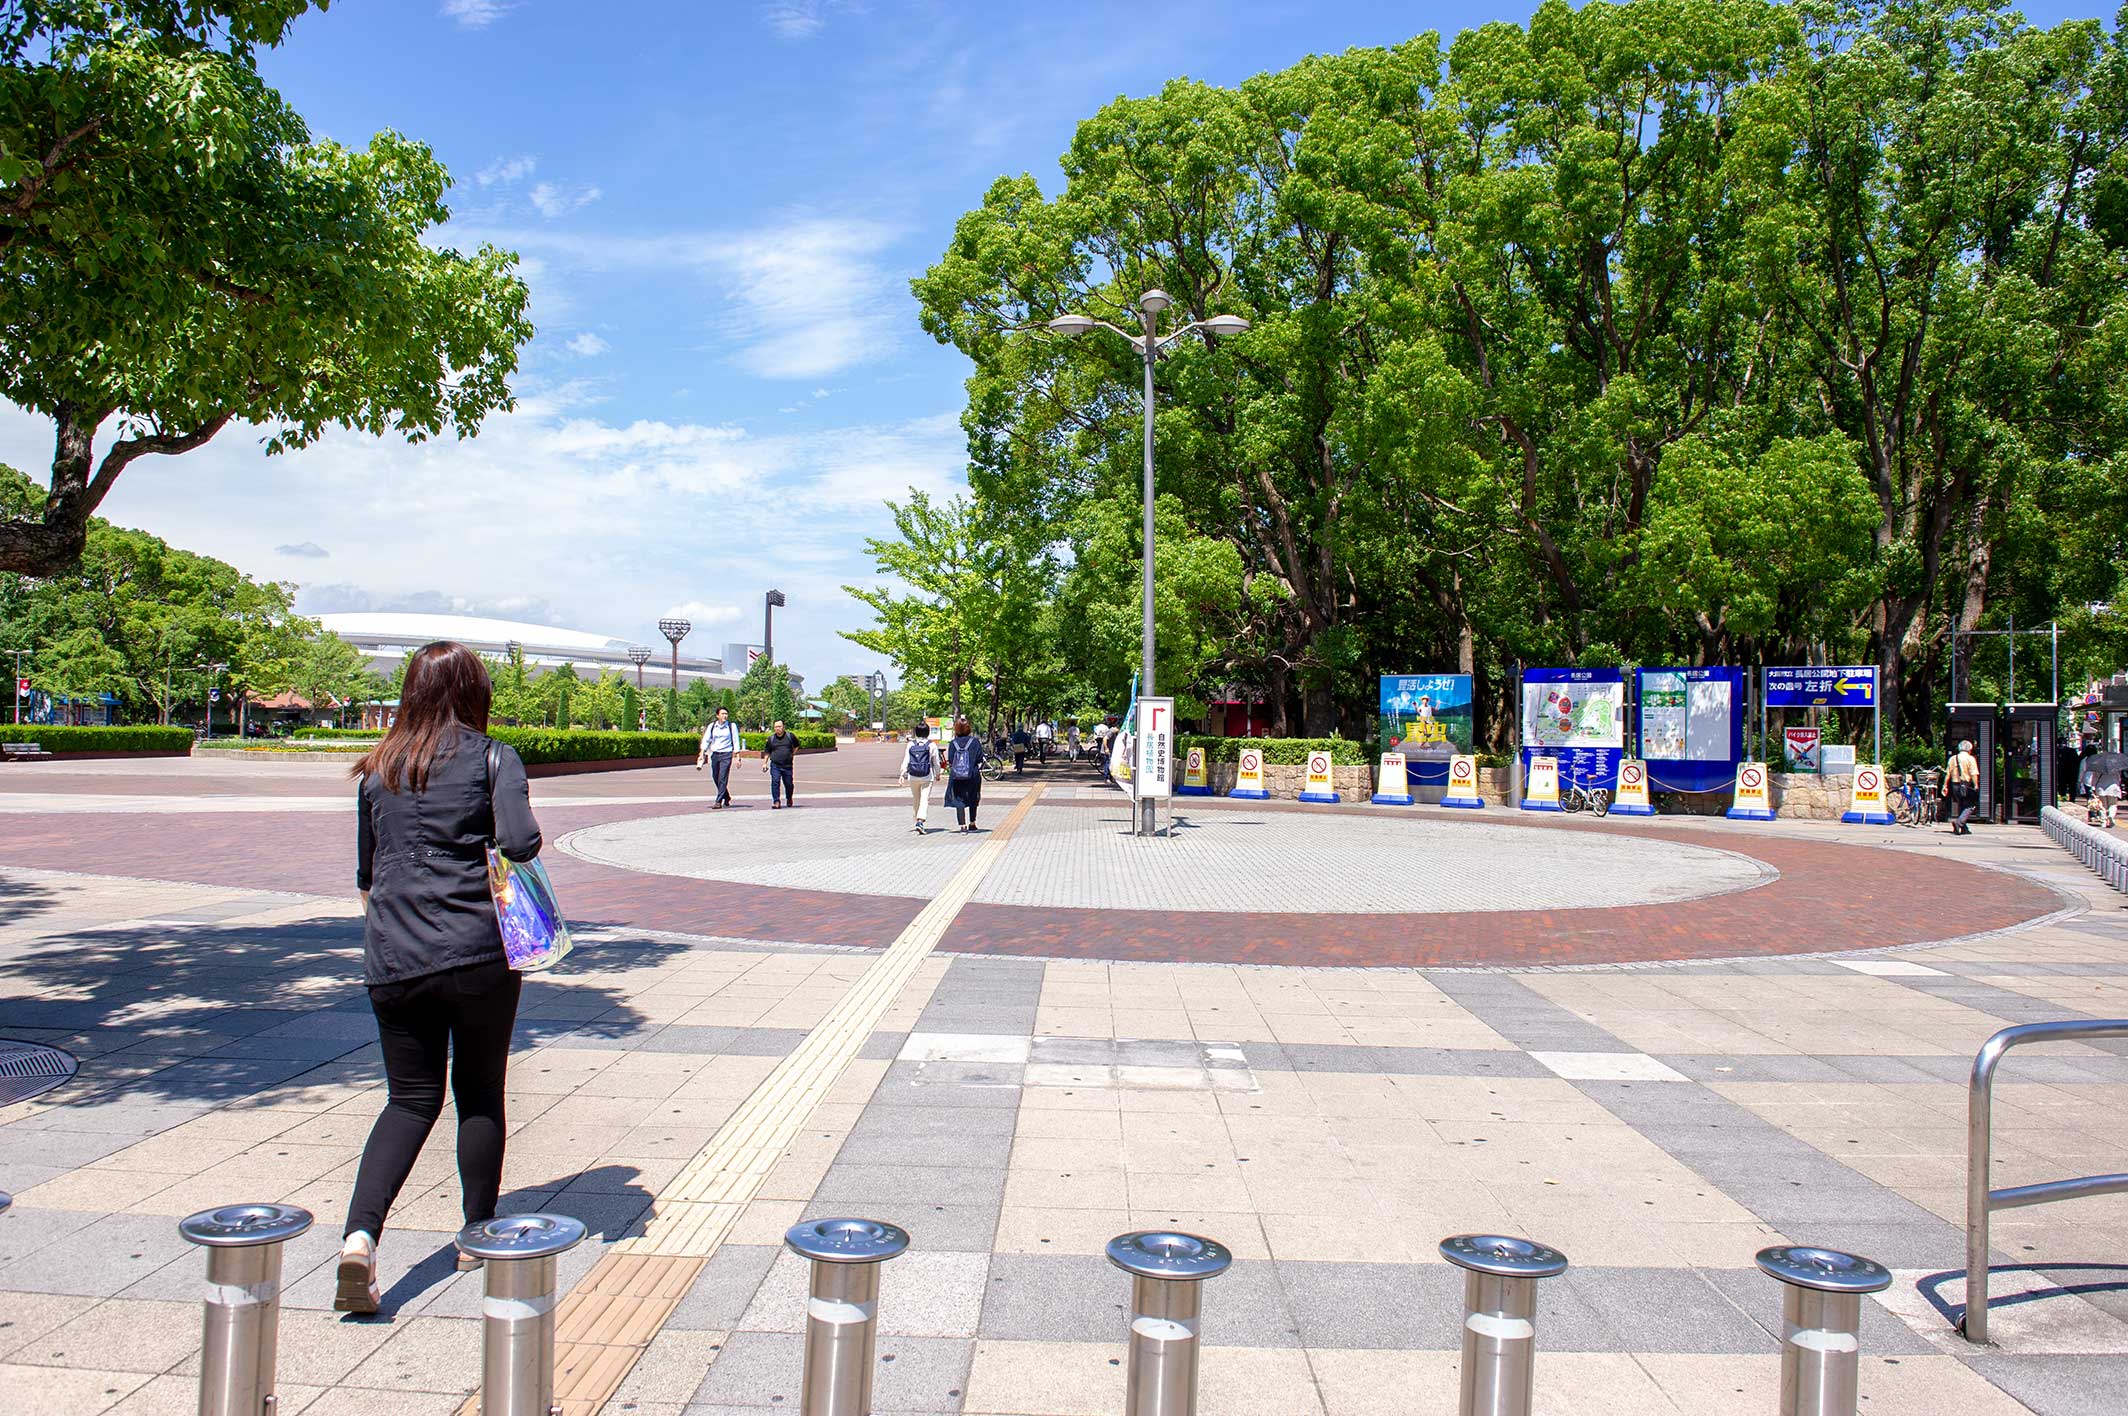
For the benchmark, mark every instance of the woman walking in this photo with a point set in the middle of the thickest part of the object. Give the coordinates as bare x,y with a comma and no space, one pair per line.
435,791
964,775
919,769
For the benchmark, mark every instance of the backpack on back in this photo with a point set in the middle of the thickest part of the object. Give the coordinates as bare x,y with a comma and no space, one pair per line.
920,759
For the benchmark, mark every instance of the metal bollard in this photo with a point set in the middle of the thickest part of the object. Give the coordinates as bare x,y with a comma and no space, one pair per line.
1499,1318
1821,1310
241,1338
517,1308
843,1311
1167,1272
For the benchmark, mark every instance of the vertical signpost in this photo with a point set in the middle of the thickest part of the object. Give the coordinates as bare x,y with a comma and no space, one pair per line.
1153,764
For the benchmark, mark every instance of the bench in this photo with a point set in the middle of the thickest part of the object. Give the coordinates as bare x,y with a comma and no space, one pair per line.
25,751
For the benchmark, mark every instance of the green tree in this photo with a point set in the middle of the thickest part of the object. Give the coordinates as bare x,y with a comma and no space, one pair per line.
757,692
935,626
178,253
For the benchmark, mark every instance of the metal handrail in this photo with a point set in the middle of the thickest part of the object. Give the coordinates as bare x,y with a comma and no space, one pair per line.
2105,853
1980,1201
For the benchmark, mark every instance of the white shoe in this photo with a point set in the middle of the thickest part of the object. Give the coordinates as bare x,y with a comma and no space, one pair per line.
357,1275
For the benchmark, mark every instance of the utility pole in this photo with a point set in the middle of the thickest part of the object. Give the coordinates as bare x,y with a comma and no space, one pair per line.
768,623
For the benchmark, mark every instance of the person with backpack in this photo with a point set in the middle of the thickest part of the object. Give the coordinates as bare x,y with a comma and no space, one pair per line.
919,769
964,775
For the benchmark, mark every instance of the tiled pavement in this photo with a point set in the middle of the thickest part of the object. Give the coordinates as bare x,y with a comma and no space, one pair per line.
1658,1123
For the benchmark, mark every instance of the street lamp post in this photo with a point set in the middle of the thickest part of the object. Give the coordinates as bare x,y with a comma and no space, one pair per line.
1151,305
212,669
675,630
876,685
770,601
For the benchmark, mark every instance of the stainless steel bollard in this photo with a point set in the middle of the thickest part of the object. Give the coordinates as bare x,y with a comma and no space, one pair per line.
843,1311
517,1308
1167,1272
1499,1318
241,1336
1821,1311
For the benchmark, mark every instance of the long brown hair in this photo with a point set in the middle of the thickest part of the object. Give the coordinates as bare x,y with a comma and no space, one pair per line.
446,688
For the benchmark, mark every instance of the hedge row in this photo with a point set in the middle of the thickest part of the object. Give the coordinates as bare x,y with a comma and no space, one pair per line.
582,745
351,734
64,739
1277,752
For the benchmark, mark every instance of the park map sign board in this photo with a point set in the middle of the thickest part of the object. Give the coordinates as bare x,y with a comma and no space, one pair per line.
1814,686
1576,716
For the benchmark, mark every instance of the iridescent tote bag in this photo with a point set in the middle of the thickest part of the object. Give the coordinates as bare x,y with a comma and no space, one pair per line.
534,934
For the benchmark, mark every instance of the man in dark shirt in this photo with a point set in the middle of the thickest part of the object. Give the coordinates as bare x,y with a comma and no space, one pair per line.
779,757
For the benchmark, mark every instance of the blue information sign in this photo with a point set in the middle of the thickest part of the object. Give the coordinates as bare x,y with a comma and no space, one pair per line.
1812,686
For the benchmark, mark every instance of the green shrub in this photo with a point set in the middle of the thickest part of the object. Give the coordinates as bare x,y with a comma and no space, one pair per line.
1277,752
61,739
1903,757
537,745
351,734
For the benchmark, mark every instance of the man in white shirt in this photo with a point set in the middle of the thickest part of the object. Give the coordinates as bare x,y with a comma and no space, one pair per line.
720,743
1044,735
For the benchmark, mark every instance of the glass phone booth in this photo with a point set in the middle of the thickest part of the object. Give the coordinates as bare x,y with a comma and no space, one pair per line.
2028,760
1975,723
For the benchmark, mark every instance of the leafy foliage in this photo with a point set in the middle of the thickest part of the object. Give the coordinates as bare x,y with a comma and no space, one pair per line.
66,739
178,253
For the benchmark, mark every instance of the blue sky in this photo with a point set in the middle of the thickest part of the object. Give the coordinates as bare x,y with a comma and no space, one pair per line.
719,206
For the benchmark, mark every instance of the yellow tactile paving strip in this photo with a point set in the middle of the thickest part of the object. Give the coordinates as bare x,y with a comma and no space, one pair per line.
607,1320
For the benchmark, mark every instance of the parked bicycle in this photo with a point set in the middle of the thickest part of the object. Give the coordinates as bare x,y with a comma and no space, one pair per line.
1916,801
1574,795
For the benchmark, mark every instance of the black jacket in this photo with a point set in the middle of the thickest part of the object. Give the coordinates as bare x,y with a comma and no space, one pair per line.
423,858
782,748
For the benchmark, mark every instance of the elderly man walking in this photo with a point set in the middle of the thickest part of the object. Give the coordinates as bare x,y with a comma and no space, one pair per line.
780,756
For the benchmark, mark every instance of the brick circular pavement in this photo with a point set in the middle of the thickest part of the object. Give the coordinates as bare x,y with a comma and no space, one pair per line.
1228,862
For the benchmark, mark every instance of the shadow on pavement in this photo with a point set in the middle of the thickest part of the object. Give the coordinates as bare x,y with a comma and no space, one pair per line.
22,900
203,1014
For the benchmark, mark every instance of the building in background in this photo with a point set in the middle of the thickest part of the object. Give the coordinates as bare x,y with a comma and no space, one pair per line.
387,638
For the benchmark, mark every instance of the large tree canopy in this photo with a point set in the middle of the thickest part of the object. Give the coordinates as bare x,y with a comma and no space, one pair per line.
177,253
1671,330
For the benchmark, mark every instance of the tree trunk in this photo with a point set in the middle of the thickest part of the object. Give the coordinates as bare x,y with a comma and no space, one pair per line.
1278,689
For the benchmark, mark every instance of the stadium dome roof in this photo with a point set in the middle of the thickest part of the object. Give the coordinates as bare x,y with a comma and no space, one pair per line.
418,629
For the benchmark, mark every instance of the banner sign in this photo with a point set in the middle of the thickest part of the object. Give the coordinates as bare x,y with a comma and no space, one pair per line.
1463,783
1813,686
1321,786
1753,802
1389,785
1154,763
1196,776
1577,718
1248,776
1428,718
1803,748
1541,791
1691,727
1866,806
22,688
1632,797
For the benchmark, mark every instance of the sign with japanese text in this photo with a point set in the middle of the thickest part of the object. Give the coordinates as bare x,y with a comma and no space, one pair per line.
1153,767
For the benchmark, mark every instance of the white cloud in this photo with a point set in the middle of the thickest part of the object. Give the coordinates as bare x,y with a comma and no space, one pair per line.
701,614
587,345
553,201
506,170
475,14
553,514
794,19
803,298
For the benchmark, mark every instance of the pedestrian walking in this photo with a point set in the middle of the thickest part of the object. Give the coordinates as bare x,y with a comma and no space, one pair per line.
721,742
919,769
964,775
435,791
777,759
1020,744
1071,741
1045,735
1961,784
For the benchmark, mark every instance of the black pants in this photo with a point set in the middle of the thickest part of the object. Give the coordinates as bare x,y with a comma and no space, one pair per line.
720,768
1965,800
463,1017
967,796
781,785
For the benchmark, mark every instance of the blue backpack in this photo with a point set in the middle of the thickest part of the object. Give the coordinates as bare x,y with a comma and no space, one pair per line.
920,758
